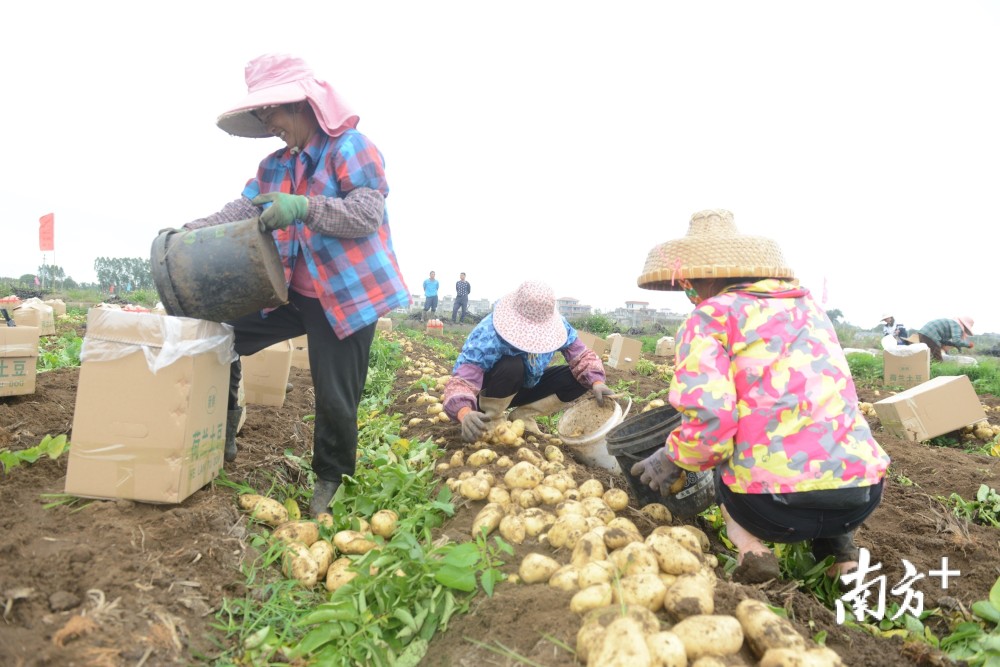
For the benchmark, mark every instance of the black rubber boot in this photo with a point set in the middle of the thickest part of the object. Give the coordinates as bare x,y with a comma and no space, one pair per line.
232,423
322,495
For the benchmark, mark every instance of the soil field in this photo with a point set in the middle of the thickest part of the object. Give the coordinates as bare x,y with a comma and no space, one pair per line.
124,583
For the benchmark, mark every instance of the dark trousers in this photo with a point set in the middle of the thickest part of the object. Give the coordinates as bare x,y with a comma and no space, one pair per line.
460,302
338,369
431,304
932,344
507,377
828,518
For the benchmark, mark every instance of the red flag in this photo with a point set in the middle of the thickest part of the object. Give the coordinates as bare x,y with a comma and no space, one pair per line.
47,232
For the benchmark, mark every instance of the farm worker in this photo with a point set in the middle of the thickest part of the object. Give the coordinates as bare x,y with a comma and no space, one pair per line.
505,363
322,195
891,328
767,400
431,286
462,291
945,332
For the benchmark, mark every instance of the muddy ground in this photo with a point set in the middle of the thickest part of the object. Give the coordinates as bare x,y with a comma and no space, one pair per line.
124,583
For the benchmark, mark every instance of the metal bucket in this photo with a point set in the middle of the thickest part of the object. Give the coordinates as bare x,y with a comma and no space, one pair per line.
218,273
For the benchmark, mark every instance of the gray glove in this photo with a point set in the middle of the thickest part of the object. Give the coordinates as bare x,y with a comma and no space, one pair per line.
601,391
658,471
473,426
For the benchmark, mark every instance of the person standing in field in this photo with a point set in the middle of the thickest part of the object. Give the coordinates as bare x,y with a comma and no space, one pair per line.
322,196
431,286
462,291
767,401
945,332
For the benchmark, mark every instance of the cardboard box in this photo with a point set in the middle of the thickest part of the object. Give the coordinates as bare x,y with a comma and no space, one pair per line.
935,407
58,306
35,313
150,418
265,374
300,352
664,347
595,343
383,324
18,358
435,328
906,371
624,353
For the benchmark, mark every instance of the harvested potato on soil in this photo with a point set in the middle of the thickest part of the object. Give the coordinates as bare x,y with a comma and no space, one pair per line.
791,657
635,558
474,488
482,457
523,475
709,635
297,563
338,574
645,590
592,488
352,542
623,645
671,556
512,528
265,510
666,650
658,513
538,568
765,630
590,598
384,522
690,595
321,551
616,499
489,518
566,579
303,532
591,633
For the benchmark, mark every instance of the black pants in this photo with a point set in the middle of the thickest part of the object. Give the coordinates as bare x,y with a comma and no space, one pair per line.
828,518
431,304
460,302
507,377
338,369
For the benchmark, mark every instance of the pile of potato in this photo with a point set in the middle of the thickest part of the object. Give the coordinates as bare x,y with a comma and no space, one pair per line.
308,558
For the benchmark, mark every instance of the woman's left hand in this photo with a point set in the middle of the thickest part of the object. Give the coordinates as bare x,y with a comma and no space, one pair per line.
658,471
601,391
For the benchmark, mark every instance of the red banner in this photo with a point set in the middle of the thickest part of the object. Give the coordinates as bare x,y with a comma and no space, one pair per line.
47,232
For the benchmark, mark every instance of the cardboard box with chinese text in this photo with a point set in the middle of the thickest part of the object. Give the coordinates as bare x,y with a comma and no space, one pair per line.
664,347
58,306
35,313
265,374
150,418
940,405
907,370
18,358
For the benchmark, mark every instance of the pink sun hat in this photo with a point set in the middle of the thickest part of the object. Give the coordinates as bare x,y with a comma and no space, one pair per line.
966,322
275,79
527,319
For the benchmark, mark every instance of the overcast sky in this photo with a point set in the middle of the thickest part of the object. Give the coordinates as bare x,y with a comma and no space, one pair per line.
557,141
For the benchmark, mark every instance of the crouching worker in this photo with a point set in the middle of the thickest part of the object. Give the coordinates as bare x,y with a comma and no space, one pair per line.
505,363
767,400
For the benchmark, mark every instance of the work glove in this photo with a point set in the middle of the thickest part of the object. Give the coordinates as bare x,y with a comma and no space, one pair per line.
658,471
473,425
601,391
283,211
167,229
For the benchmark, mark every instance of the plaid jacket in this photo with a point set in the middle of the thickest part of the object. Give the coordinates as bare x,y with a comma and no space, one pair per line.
945,331
358,279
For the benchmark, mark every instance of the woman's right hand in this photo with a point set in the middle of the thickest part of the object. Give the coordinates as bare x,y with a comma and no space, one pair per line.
473,425
658,471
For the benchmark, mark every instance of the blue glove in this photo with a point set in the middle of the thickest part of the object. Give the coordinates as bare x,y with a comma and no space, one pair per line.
283,211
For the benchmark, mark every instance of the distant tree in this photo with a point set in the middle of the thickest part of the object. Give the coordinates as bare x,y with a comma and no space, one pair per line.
48,274
69,283
834,314
27,278
124,273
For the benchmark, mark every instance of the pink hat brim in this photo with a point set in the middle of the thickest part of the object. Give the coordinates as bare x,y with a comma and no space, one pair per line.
331,112
532,337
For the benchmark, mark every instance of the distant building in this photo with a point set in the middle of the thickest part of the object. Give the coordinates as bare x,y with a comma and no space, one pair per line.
571,309
638,314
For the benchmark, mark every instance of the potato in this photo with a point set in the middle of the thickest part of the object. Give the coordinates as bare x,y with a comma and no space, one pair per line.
458,459
523,475
592,488
512,529
265,510
658,512
384,523
566,579
338,574
645,590
624,524
528,498
482,457
296,563
442,468
434,408
666,650
565,526
589,547
474,488
690,595
765,630
504,463
616,499
499,496
702,538
537,568
792,657
489,518
682,536
617,538
635,558
530,456
548,495
321,551
553,454
303,532
671,556
595,623
487,475
623,646
596,572
709,635
537,521
352,542
592,597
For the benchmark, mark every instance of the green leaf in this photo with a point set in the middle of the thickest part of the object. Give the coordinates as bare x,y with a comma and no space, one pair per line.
995,594
406,617
489,579
315,639
413,654
983,492
57,446
986,611
462,555
459,578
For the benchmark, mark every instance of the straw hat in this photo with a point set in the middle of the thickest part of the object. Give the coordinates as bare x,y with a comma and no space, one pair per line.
712,248
967,323
276,79
886,317
527,319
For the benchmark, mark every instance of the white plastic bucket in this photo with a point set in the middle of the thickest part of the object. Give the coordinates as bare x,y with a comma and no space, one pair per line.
583,427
